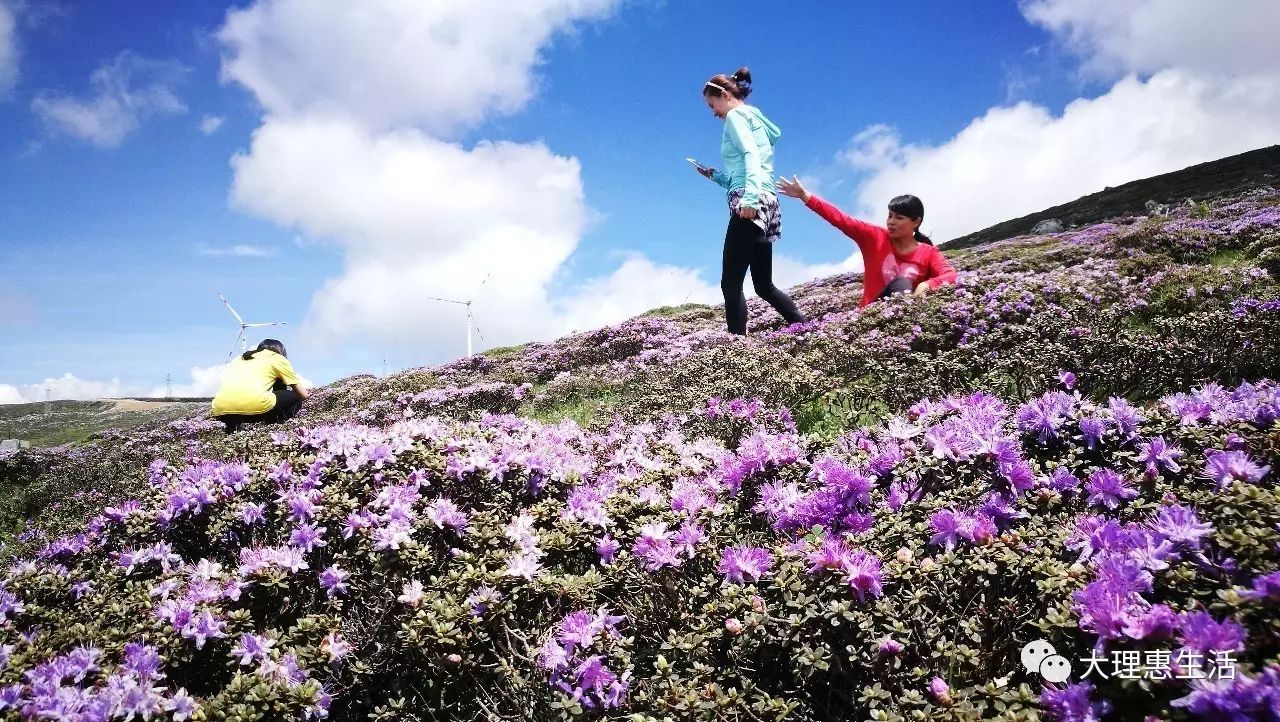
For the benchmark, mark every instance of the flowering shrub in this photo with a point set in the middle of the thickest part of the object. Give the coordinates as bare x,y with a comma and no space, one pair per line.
866,516
687,568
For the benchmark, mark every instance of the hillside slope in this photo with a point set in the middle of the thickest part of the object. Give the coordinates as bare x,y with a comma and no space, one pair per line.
62,422
867,516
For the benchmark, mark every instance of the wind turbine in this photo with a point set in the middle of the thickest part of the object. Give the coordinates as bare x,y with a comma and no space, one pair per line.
243,326
471,320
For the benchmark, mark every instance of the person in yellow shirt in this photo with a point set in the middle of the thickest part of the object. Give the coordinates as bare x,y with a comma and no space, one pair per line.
259,386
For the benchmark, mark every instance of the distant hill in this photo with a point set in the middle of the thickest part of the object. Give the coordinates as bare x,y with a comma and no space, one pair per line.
68,421
1225,176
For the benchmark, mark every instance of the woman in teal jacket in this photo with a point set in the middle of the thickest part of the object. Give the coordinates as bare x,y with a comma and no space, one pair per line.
755,220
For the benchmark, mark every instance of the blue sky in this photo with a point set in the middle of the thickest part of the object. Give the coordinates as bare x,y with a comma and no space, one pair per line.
123,211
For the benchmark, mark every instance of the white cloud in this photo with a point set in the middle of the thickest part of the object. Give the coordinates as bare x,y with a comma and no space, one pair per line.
238,250
417,217
1197,106
67,386
204,382
210,124
1145,36
126,92
388,63
351,154
8,49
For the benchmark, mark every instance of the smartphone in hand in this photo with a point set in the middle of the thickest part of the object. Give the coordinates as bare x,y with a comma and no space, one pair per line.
696,164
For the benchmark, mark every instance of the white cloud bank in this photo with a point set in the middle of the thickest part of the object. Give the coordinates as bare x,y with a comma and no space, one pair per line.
203,382
1213,90
354,149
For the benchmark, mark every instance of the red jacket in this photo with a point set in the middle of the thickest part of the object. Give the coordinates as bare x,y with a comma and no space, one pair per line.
880,263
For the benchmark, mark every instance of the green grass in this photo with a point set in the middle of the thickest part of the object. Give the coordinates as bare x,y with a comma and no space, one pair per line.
505,351
582,409
1230,257
76,421
671,311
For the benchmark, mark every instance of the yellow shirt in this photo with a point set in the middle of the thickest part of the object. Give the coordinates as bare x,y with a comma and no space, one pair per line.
246,385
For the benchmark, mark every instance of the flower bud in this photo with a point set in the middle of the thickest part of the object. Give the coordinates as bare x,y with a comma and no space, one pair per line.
733,625
905,555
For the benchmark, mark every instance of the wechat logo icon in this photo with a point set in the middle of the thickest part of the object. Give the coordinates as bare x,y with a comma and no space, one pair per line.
1039,657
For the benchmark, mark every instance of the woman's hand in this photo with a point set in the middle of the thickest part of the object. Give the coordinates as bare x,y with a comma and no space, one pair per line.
793,188
922,289
746,212
704,172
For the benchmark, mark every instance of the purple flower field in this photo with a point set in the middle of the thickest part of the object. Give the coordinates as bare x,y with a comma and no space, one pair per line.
867,516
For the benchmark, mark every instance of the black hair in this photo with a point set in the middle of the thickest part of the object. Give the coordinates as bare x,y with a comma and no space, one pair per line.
912,208
738,85
268,344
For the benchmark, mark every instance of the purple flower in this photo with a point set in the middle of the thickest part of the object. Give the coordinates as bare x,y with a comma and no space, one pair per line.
689,537
1063,480
1124,416
1266,586
307,537
948,526
1072,703
444,512
1091,431
1046,415
1107,488
607,547
745,563
1158,453
142,661
940,691
334,581
655,548
1180,525
1242,699
1158,622
833,554
889,646
1224,467
862,573
183,706
524,564
1067,379
252,647
411,593
204,626
481,599
1200,632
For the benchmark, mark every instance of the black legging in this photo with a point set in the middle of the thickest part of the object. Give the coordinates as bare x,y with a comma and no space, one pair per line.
897,285
745,247
288,403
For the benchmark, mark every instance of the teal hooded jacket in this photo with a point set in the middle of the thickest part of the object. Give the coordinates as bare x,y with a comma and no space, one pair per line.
747,150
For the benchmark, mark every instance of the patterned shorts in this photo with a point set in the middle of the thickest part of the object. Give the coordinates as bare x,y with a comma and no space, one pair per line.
768,214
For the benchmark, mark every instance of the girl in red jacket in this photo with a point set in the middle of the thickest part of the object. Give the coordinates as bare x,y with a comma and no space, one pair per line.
897,258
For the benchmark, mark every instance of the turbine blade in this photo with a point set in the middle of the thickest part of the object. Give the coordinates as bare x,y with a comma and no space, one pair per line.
486,280
271,323
475,325
232,310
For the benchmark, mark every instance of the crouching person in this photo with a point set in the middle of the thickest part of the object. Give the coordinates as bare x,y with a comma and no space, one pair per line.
260,386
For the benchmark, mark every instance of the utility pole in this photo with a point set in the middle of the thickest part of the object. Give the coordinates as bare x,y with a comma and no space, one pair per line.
168,386
48,406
